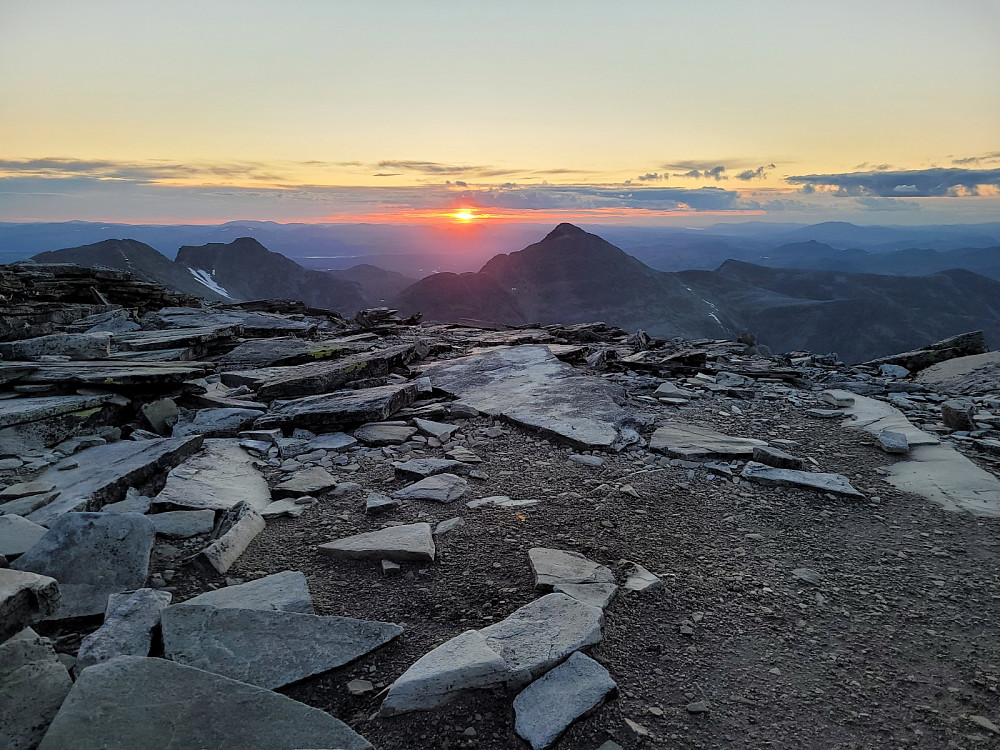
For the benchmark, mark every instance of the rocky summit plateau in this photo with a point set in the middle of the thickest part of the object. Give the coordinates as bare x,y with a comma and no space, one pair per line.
263,524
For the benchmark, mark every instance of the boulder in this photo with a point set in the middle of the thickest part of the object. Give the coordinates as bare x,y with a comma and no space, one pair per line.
234,532
128,627
161,415
101,712
546,708
286,591
33,684
76,346
217,478
217,423
92,555
18,535
959,414
893,442
269,648
25,598
342,408
553,567
441,488
407,542
310,481
772,477
181,524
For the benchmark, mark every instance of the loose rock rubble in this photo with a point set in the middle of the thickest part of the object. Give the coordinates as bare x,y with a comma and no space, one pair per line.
447,536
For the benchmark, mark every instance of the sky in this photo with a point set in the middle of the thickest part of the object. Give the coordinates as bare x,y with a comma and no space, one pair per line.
642,112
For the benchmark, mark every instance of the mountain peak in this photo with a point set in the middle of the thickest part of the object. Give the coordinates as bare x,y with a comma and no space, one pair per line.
565,230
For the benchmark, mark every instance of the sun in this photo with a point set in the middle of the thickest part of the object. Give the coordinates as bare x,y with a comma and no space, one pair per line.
464,214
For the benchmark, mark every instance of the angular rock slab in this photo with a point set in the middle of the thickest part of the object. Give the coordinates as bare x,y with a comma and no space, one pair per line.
539,635
554,566
693,442
101,711
128,627
92,555
439,676
286,591
23,410
217,478
269,648
310,481
33,684
441,488
421,468
18,535
546,708
217,423
240,526
342,408
594,594
772,477
384,434
528,385
181,524
412,541
107,471
25,598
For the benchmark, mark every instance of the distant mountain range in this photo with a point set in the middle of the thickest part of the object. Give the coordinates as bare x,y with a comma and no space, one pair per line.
574,276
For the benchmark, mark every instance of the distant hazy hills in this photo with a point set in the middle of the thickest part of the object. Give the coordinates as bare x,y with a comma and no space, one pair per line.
574,276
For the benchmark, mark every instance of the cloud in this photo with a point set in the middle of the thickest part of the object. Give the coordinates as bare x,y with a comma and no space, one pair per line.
991,157
755,174
917,183
650,177
887,204
148,171
588,197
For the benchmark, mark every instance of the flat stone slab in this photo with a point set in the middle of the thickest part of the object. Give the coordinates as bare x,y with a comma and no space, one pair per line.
217,478
16,411
438,430
553,566
594,594
106,472
75,346
893,442
772,477
320,377
412,541
640,579
341,408
465,662
528,385
384,434
442,488
239,526
332,441
278,352
110,374
92,555
18,535
128,627
26,489
421,468
33,684
25,598
269,648
693,442
101,710
217,423
542,633
311,481
286,591
181,524
546,708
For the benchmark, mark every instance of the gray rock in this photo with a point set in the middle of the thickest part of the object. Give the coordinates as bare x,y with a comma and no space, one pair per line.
640,579
133,503
287,508
893,442
465,662
238,527
693,442
671,391
893,371
546,708
407,542
269,648
808,575
777,458
311,481
838,398
286,591
958,414
76,346
217,478
217,423
161,415
33,684
552,567
219,713
442,488
448,525
181,524
18,411
376,502
389,568
421,468
26,489
18,535
593,461
338,409
128,627
384,434
106,472
439,430
825,413
25,598
595,594
542,633
92,555
332,441
772,477
528,385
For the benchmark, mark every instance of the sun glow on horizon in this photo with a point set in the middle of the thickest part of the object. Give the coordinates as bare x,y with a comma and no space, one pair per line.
464,214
